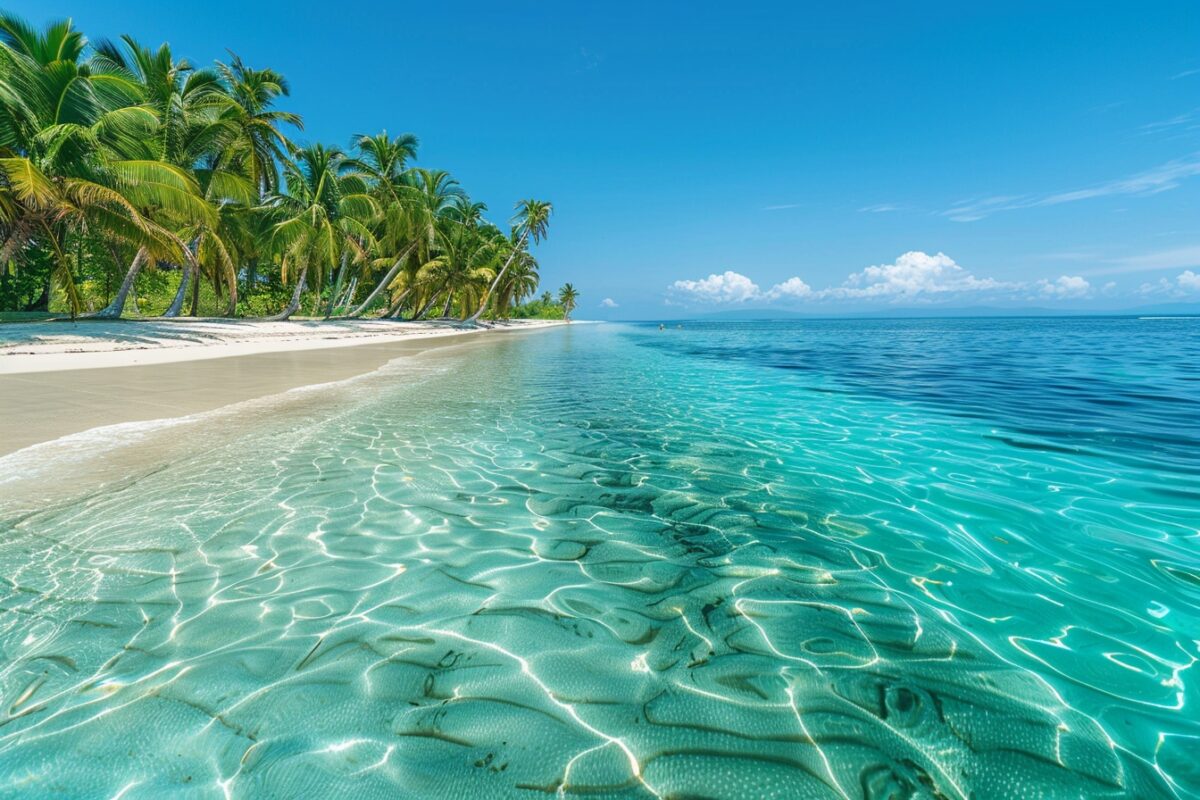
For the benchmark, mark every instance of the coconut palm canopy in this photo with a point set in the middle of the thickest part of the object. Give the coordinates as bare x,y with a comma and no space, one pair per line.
568,296
135,181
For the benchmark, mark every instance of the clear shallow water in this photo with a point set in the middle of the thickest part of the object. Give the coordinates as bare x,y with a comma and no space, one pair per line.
871,559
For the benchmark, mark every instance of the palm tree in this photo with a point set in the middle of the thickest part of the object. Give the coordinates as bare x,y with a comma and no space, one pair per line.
261,146
404,218
460,270
567,297
213,243
126,152
532,219
321,220
431,197
194,122
519,282
67,131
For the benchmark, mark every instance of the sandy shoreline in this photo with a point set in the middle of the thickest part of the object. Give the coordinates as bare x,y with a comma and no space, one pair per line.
54,346
57,380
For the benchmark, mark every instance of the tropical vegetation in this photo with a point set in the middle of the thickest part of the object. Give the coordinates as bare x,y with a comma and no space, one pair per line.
136,183
546,306
567,297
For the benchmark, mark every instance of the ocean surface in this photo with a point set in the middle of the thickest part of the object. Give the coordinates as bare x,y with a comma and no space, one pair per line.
815,559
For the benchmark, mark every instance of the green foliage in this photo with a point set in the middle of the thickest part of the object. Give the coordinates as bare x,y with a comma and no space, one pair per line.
24,289
127,172
567,297
539,309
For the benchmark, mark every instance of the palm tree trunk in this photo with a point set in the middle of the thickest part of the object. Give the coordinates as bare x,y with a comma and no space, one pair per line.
383,284
177,304
349,293
496,282
231,307
113,310
294,305
337,284
425,308
449,302
195,292
394,309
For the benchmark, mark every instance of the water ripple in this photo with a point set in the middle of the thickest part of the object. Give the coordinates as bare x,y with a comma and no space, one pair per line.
603,562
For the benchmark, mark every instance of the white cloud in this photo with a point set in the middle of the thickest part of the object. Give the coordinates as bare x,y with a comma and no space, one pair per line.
1152,181
915,276
608,302
728,287
880,208
914,273
1066,287
1185,283
791,288
733,287
1188,281
781,207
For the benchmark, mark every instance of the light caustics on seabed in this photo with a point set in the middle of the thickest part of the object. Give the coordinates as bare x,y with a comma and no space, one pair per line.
867,559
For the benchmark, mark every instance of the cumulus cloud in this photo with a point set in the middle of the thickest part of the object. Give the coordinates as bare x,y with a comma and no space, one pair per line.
608,302
791,288
1188,281
914,273
915,276
728,287
733,287
1067,287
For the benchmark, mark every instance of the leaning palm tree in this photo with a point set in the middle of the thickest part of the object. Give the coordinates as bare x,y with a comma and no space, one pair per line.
520,282
532,219
321,220
460,271
382,162
213,242
567,297
194,126
412,211
521,278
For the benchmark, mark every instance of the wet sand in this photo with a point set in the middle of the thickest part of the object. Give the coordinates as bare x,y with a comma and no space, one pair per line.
40,406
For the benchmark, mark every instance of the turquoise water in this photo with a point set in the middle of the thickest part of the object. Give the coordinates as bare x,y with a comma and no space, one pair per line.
844,559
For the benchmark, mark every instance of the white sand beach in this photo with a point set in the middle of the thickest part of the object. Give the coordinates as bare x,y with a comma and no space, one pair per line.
61,378
90,344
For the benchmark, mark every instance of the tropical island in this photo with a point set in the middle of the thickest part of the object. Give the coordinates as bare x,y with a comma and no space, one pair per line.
134,184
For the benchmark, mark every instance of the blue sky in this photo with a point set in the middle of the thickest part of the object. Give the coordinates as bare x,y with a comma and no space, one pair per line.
818,157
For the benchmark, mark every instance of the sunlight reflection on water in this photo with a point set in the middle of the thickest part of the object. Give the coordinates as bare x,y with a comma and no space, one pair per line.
822,559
